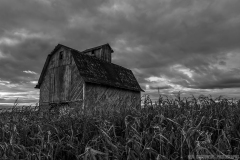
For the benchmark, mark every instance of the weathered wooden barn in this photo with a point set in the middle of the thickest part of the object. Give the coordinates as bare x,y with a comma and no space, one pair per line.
87,79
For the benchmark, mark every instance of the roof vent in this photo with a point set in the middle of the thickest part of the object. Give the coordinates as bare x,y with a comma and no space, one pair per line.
103,52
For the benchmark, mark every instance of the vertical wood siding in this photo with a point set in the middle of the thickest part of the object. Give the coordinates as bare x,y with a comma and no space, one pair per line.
106,54
110,99
76,85
60,76
44,90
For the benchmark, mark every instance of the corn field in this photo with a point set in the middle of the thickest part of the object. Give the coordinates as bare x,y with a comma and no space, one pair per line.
169,129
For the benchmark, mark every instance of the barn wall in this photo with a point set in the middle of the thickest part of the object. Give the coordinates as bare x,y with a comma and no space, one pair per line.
103,98
106,54
62,81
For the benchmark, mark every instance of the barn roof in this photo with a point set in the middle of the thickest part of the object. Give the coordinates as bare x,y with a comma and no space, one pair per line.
95,70
98,71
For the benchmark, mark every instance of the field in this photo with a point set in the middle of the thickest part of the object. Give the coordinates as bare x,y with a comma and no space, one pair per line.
168,129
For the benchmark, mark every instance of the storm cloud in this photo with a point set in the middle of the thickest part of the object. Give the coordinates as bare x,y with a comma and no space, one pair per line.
170,45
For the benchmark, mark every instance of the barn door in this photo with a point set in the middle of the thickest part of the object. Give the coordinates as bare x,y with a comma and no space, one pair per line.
67,83
52,88
65,80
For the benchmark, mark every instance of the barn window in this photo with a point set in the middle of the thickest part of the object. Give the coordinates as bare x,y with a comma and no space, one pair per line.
92,53
61,55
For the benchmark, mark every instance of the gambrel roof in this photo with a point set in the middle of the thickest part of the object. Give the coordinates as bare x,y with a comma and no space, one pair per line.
98,71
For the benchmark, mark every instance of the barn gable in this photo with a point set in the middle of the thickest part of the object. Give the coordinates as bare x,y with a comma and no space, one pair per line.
60,80
57,49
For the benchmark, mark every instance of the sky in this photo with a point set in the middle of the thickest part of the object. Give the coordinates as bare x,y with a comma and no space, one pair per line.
192,46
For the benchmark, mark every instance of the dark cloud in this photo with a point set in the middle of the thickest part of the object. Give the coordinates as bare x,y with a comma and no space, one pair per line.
219,84
222,63
192,44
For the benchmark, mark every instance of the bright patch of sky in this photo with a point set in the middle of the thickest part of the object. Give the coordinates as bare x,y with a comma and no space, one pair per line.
184,70
8,41
157,79
4,82
34,82
29,72
147,86
25,34
117,6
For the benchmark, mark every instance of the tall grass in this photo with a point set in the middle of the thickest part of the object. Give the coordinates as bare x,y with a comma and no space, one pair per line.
166,129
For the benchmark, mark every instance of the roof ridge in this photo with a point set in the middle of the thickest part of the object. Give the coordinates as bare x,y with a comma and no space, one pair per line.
93,48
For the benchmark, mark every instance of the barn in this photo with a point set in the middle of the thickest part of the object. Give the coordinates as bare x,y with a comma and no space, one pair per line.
87,80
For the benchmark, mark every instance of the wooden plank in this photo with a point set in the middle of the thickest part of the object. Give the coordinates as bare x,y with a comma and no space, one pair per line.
44,90
52,84
76,85
106,53
67,80
84,95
